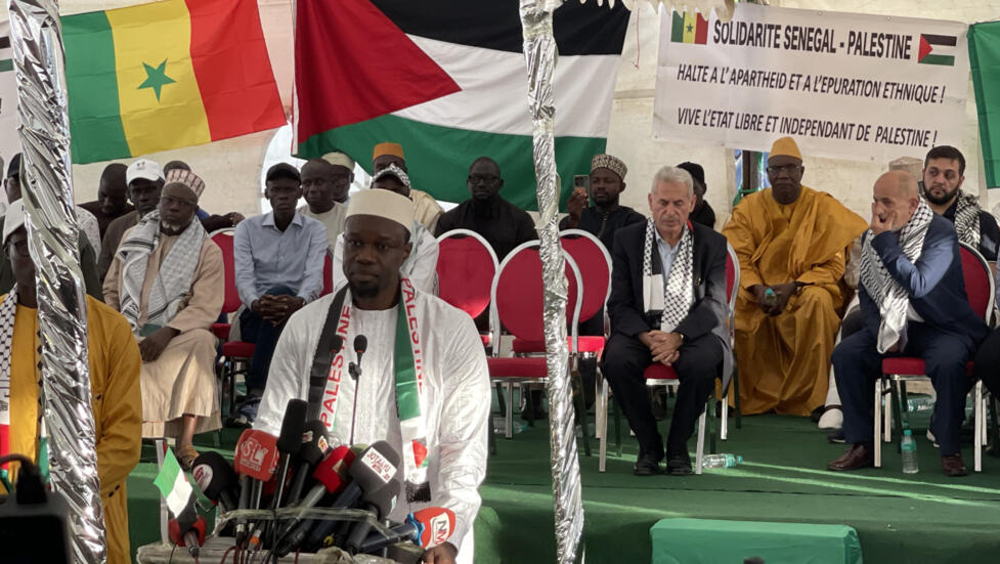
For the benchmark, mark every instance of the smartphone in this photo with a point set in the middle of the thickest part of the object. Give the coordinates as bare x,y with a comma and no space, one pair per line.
582,181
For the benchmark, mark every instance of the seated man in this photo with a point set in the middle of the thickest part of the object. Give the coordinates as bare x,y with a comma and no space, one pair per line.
502,224
114,384
913,297
440,428
428,211
324,183
180,171
145,181
420,267
667,305
166,279
112,197
944,173
791,242
279,268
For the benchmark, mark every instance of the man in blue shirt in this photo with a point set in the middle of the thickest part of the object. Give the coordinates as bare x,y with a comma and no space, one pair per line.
279,268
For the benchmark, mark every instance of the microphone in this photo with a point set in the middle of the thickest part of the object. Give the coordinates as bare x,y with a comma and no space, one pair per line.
217,479
289,442
255,460
192,538
314,448
380,503
372,470
427,528
360,346
331,473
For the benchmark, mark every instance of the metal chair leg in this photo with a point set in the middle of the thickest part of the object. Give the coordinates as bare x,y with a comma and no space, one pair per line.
878,423
979,426
576,391
509,419
501,403
711,423
700,449
736,390
602,407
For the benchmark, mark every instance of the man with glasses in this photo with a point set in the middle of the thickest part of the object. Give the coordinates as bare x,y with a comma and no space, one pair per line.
791,242
165,280
501,223
325,183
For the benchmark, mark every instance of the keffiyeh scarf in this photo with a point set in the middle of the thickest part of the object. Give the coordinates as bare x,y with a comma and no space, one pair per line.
890,297
677,296
173,281
967,219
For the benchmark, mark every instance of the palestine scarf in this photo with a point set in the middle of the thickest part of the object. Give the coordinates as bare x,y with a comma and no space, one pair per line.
967,218
891,299
411,397
173,281
677,297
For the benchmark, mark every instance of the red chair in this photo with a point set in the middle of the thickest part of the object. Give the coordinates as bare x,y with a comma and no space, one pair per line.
896,371
517,303
327,273
466,267
235,356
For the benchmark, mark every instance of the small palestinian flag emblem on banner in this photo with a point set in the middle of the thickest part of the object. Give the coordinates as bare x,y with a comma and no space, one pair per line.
689,28
6,55
937,49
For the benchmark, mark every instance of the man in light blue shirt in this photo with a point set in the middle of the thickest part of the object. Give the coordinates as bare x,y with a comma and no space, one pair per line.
279,268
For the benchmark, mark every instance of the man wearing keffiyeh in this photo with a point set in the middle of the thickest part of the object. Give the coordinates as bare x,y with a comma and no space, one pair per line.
944,173
913,298
667,305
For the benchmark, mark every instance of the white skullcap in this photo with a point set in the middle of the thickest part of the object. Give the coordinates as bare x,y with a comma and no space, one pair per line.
339,159
15,220
383,203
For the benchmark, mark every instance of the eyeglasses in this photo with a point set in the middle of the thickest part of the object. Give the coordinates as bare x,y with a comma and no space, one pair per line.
482,178
789,169
170,200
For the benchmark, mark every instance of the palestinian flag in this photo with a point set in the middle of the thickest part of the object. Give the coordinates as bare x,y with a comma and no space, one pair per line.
937,49
984,60
6,54
173,484
689,28
447,80
166,75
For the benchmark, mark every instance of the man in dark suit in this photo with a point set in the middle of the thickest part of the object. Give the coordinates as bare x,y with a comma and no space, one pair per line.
913,298
667,305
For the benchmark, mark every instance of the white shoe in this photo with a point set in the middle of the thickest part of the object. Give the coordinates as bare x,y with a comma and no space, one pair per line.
833,418
930,437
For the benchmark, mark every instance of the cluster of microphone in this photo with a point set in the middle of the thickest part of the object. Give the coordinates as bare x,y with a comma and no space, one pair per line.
301,469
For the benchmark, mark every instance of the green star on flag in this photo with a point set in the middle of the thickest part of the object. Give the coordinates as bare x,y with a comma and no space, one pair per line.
156,78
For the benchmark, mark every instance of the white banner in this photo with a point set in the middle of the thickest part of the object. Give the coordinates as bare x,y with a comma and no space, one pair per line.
843,85
10,143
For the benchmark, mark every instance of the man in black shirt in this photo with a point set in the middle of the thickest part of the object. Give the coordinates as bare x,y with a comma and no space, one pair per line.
703,213
501,223
944,173
607,182
112,197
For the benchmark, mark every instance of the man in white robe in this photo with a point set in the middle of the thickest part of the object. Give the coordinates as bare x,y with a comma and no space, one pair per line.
421,266
444,359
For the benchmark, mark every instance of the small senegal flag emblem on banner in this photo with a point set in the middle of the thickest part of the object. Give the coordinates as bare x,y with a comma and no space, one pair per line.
167,75
937,49
689,28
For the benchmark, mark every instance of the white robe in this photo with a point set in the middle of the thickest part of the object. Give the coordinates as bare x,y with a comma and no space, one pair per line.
420,267
458,396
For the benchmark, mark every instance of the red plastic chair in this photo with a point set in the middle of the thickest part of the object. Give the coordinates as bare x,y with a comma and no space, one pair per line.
896,371
234,356
466,267
517,303
327,274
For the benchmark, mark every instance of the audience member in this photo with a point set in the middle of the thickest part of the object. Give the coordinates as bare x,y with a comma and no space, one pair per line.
944,173
324,182
113,362
112,197
279,268
427,209
180,171
667,306
703,212
145,181
791,242
88,257
914,301
502,224
166,279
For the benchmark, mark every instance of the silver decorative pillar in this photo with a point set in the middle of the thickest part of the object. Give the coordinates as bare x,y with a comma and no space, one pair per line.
540,54
48,198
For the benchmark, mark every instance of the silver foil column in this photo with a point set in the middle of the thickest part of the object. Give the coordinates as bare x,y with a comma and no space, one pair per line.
48,197
540,54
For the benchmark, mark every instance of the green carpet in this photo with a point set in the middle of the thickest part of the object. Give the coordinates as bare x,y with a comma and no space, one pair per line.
900,518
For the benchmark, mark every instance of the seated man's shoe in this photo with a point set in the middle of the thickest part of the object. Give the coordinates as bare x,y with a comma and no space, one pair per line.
647,465
836,436
679,464
953,466
858,456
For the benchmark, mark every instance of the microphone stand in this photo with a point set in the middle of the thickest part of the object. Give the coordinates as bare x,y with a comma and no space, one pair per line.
354,369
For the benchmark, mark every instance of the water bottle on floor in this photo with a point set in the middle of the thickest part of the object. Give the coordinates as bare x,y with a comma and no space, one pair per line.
909,448
721,460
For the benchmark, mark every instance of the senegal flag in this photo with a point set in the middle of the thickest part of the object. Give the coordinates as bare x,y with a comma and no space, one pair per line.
447,80
689,28
166,75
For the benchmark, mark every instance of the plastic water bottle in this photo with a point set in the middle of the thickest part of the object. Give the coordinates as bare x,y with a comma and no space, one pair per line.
721,460
909,448
921,403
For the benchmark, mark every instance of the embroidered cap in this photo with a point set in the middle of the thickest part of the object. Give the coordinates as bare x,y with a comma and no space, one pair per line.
187,178
394,171
614,164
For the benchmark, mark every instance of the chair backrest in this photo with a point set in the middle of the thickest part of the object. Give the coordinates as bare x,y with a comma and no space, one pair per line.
594,263
518,296
224,239
466,267
732,279
327,273
979,284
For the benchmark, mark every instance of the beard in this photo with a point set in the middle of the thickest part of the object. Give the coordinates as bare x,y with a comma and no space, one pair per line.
171,228
939,200
366,290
